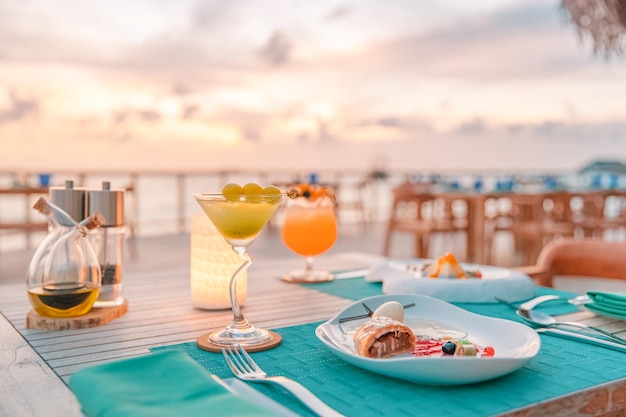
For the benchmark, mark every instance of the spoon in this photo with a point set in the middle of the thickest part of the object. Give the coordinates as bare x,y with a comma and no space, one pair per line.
530,304
544,320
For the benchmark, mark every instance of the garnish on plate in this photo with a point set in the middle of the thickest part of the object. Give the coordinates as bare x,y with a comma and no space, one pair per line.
446,266
446,347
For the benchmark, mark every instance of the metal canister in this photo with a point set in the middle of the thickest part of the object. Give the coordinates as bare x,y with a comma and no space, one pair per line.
108,241
71,200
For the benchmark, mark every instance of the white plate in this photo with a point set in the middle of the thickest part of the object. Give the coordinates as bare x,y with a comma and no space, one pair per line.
514,343
508,284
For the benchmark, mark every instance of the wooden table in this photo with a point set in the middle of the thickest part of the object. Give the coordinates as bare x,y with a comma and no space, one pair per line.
35,364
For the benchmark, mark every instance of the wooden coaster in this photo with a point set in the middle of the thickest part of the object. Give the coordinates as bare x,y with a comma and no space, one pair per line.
205,343
96,317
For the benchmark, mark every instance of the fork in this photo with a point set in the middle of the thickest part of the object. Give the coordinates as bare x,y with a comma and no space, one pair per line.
246,369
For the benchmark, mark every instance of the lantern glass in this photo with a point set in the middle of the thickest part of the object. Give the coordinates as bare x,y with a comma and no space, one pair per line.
213,263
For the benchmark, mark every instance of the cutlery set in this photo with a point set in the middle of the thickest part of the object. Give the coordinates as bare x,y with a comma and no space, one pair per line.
245,368
572,330
620,347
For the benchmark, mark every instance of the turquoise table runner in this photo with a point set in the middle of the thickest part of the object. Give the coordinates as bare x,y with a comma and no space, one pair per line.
562,367
358,288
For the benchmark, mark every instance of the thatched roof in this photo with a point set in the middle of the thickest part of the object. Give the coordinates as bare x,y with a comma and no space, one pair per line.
609,167
604,21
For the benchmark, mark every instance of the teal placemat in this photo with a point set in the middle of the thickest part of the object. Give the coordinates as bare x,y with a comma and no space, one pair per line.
358,288
562,367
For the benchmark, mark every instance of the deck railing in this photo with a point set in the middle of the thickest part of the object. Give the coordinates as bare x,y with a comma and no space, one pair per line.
161,202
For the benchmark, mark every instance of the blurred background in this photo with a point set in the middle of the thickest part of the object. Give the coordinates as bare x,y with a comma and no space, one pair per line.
167,98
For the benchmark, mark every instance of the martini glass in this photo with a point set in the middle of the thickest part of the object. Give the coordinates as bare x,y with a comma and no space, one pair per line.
239,219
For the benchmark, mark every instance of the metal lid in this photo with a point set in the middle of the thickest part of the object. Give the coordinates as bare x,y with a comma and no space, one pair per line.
108,202
69,199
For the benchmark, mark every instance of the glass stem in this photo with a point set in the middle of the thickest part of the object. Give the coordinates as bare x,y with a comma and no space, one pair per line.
239,321
309,264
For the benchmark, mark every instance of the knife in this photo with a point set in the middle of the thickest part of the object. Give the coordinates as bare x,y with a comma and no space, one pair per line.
583,338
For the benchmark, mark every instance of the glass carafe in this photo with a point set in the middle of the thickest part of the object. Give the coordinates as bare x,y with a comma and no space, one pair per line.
64,279
59,223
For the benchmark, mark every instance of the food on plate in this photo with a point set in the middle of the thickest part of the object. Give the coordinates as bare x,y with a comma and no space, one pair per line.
391,309
386,335
382,337
442,347
446,266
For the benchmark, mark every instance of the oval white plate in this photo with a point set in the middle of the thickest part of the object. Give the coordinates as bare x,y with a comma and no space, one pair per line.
514,343
508,284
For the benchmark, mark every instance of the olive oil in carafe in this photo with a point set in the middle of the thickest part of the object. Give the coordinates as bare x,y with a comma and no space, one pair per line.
63,300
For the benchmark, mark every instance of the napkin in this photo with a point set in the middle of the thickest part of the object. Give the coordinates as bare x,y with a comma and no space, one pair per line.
611,304
164,384
507,284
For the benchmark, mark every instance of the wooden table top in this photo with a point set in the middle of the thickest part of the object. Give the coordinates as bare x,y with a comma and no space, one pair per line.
35,365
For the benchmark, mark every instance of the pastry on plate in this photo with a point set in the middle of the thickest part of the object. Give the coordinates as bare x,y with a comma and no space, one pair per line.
382,337
446,266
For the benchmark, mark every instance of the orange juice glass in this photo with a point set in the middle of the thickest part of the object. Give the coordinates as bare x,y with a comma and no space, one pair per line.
310,229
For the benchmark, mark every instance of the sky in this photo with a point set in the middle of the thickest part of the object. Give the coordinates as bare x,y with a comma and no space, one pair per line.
355,84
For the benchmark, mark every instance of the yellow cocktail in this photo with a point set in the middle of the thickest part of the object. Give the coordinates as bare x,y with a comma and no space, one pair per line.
239,221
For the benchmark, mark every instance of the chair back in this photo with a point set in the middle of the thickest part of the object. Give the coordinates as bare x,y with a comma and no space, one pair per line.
579,258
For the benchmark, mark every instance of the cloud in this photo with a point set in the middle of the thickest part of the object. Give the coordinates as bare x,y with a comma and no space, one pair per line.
19,109
143,115
473,127
149,116
422,70
339,12
250,134
190,111
408,124
323,132
550,130
211,15
181,90
277,49
524,40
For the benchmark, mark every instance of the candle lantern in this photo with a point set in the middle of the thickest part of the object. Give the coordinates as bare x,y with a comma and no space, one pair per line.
213,263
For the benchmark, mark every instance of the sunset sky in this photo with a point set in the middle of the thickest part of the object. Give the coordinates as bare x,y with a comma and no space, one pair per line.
198,84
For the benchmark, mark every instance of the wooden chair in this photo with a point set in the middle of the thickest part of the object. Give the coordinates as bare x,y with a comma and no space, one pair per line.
416,210
595,219
534,220
579,257
524,220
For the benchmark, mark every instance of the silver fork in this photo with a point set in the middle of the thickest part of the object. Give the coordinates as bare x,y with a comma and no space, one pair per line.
246,369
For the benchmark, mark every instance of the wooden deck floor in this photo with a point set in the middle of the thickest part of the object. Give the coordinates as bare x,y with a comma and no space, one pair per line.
171,252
